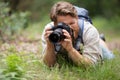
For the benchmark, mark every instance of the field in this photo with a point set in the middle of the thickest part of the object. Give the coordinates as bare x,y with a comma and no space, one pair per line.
21,58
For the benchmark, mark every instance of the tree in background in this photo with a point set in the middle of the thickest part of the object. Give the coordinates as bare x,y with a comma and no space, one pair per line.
11,21
41,8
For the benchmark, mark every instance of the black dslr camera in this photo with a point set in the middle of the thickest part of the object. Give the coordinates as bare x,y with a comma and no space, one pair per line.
57,34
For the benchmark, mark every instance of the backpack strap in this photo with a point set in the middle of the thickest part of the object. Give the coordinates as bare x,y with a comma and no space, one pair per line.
79,40
81,26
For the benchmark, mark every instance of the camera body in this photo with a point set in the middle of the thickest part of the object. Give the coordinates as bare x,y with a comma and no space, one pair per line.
57,34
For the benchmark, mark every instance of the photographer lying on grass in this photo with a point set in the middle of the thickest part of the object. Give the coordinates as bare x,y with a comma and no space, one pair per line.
62,41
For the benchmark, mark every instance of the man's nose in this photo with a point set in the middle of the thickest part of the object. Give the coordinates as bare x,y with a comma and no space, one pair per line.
70,26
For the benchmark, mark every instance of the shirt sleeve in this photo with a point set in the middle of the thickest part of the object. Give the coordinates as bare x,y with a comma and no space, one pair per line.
42,36
91,47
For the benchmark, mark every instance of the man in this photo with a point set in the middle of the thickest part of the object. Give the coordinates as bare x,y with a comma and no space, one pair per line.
92,52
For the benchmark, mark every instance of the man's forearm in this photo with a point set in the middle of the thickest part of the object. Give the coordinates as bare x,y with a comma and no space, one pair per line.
77,58
50,56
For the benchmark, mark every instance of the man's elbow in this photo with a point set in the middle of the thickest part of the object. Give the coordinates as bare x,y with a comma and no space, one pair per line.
49,63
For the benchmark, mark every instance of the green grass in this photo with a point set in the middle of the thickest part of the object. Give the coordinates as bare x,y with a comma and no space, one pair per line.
34,69
31,66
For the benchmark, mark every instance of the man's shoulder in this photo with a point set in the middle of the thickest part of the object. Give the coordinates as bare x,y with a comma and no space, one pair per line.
90,32
51,24
89,27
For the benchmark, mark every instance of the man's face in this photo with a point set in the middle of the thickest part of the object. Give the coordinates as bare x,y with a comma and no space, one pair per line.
71,21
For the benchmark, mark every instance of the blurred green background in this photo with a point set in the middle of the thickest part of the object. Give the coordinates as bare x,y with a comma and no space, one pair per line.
17,16
40,8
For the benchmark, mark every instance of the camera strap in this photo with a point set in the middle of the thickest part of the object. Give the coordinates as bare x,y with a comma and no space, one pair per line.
57,47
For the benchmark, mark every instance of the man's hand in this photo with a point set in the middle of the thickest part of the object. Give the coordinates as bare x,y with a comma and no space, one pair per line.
49,55
48,31
67,42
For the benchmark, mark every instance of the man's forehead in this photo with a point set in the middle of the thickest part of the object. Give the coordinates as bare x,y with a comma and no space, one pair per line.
66,19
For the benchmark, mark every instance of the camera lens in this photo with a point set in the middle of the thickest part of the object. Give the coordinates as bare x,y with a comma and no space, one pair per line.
55,37
57,34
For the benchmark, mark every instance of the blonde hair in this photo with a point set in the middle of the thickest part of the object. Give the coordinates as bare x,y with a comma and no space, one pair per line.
62,8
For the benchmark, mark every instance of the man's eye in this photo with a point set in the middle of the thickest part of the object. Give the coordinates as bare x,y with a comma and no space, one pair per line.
71,23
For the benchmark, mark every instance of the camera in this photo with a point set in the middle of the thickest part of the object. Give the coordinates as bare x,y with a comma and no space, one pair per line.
57,34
